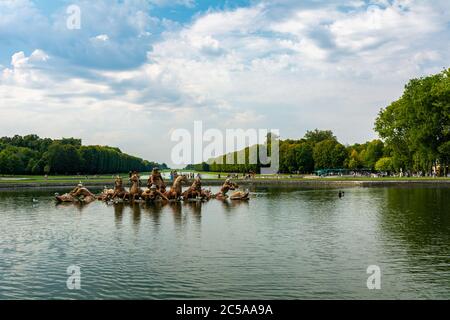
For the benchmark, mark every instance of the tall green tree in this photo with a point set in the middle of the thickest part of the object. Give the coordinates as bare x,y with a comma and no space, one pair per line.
417,126
11,162
64,158
329,154
384,165
304,157
373,152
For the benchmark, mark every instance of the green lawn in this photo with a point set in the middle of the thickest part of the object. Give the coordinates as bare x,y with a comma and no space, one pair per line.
58,179
109,178
331,178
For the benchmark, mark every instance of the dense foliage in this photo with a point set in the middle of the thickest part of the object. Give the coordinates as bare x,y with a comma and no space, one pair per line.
317,150
416,127
33,155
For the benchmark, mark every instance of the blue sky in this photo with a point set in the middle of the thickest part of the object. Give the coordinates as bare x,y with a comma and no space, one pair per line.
51,11
139,69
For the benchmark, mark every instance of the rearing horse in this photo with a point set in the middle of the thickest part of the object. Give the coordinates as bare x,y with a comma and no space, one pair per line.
229,185
195,191
176,190
135,190
119,190
110,194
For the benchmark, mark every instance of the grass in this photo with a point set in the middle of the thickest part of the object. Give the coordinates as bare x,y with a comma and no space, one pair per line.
66,178
57,179
109,178
330,178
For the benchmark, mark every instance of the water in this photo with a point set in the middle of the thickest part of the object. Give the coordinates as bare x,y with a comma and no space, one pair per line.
283,244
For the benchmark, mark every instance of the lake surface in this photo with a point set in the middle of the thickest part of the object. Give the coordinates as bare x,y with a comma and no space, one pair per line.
283,244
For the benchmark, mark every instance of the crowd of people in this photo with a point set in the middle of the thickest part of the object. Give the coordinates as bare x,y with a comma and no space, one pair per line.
190,175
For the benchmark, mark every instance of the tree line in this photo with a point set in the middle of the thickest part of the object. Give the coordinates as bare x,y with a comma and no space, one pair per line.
414,132
318,149
34,155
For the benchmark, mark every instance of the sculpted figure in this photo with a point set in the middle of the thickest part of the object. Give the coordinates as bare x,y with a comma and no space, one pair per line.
175,191
135,189
111,194
65,198
240,195
195,191
157,180
153,194
119,190
106,194
229,185
79,194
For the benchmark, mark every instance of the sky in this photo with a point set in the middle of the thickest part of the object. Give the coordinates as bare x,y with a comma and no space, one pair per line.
136,70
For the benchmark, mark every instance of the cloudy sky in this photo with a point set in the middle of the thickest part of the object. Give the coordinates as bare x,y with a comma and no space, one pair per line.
138,69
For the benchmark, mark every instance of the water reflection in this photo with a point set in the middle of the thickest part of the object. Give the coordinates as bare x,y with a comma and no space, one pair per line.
230,205
78,205
420,218
176,209
136,215
154,211
195,209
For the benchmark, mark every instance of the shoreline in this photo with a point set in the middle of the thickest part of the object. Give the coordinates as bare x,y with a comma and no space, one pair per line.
246,183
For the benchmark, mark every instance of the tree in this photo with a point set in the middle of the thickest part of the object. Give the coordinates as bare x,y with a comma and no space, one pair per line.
384,165
38,156
304,158
70,141
416,126
329,154
287,157
444,150
374,151
16,160
64,158
10,162
296,155
354,161
317,136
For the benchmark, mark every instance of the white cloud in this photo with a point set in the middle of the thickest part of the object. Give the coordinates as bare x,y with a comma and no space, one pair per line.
301,68
162,3
114,34
23,70
101,37
241,20
376,26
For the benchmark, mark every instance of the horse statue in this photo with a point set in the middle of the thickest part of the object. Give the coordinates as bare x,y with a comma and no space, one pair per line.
153,194
106,194
240,195
111,194
176,191
119,190
79,194
195,191
157,180
65,198
135,189
229,185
